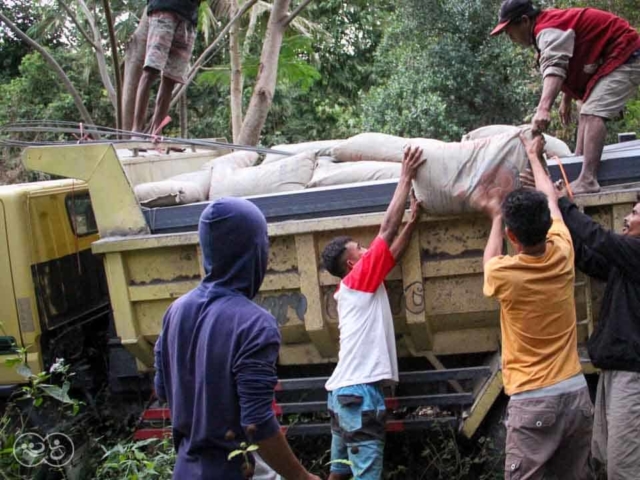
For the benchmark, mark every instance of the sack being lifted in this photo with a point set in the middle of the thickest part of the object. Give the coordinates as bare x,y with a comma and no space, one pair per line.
456,176
554,147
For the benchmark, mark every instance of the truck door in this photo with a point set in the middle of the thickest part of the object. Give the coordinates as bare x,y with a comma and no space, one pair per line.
9,324
68,279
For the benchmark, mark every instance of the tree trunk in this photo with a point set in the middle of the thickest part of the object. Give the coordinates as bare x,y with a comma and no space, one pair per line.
77,99
116,62
236,75
134,54
267,75
100,56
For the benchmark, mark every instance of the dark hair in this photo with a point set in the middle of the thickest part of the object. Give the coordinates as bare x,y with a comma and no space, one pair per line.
638,197
526,213
333,256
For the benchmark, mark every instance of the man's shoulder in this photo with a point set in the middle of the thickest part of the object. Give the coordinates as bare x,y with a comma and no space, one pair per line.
501,263
560,235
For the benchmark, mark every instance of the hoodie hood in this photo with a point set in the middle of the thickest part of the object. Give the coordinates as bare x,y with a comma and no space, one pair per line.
235,246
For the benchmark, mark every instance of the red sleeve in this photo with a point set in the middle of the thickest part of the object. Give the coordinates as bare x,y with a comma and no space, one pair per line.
370,271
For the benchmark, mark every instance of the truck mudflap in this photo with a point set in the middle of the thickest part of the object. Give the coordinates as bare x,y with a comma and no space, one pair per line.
301,406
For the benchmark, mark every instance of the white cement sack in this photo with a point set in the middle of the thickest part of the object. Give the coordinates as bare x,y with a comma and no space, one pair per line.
457,176
320,148
553,145
167,192
239,159
179,190
287,175
375,147
328,173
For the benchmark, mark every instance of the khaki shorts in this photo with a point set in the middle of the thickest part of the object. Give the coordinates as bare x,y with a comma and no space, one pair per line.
169,45
616,427
549,436
612,92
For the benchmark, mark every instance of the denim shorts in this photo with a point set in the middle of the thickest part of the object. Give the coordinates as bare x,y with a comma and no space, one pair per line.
358,431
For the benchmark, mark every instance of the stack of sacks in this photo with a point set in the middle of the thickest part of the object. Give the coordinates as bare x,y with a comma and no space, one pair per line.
319,148
194,186
292,173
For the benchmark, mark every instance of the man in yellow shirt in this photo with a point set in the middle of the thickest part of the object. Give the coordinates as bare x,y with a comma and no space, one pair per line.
550,412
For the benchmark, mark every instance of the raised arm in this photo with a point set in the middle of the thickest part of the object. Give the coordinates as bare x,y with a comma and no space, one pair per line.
535,147
619,250
411,161
496,239
399,245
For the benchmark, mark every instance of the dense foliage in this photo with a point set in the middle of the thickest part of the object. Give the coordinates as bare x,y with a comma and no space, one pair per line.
422,68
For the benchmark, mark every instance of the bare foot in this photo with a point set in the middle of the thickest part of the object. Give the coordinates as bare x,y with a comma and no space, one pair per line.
579,186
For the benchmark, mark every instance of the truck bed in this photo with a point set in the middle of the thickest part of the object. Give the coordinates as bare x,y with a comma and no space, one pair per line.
620,165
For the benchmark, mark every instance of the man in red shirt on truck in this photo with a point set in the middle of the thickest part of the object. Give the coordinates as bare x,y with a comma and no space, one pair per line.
589,55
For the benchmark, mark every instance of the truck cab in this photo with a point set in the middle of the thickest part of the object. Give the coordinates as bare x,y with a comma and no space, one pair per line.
55,299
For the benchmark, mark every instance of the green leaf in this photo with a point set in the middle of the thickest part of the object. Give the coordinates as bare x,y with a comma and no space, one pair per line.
340,460
252,448
11,362
234,454
38,401
56,392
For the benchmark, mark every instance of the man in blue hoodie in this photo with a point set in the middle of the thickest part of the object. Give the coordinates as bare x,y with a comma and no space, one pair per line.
216,355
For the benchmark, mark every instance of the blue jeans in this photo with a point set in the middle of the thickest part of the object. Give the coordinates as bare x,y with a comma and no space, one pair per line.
358,431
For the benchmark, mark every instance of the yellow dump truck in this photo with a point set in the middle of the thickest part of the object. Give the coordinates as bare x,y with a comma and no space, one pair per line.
57,235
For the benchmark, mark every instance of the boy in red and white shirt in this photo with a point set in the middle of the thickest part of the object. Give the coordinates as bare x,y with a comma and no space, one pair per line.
367,359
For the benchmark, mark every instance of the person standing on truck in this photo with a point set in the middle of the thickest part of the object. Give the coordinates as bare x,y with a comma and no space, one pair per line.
216,355
614,346
549,415
367,359
591,56
172,32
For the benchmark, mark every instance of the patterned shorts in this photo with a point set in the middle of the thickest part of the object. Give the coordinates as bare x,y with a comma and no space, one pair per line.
169,45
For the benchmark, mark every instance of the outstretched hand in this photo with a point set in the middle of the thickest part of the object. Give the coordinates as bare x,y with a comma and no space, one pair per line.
412,160
535,146
541,121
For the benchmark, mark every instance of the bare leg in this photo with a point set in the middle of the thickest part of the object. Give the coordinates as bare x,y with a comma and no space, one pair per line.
594,135
580,140
162,102
142,98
